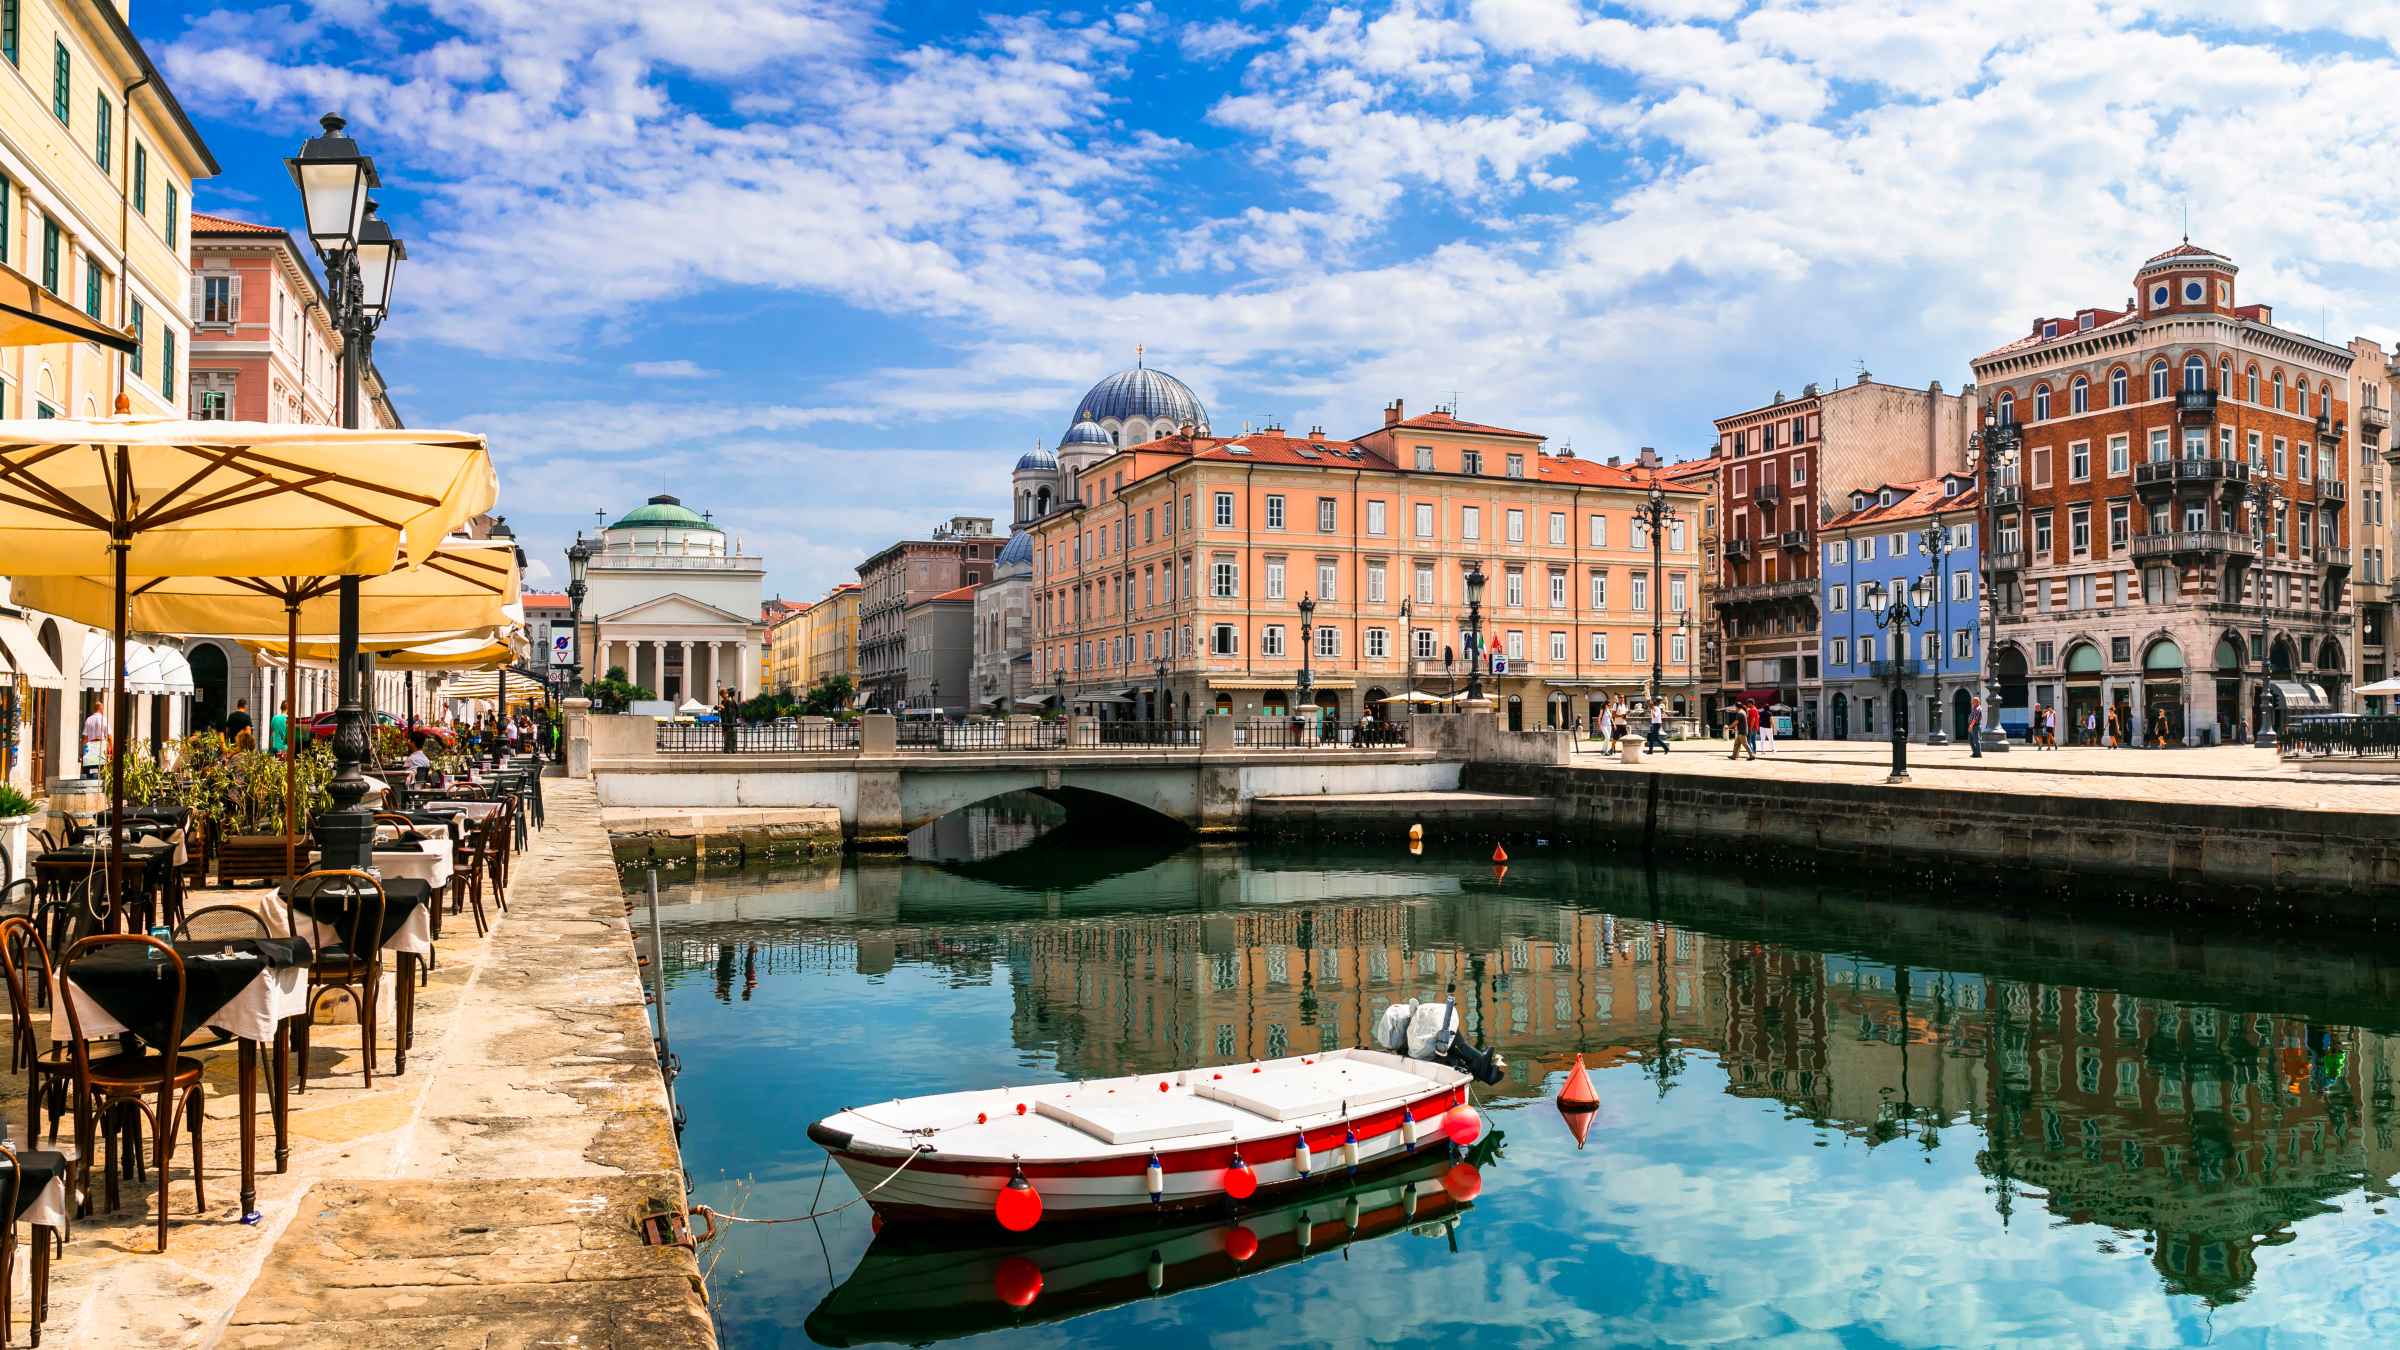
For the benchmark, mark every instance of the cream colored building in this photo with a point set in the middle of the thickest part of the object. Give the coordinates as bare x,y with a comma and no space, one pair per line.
676,604
787,646
97,162
832,636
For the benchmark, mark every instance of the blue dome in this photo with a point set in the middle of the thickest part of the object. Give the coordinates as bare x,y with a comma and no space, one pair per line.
1017,552
1037,459
1086,432
1146,393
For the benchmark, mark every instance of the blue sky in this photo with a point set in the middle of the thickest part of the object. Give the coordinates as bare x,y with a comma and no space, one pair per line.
826,267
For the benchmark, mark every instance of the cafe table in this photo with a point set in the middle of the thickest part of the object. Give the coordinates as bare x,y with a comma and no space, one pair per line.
247,988
41,1191
425,858
151,870
407,935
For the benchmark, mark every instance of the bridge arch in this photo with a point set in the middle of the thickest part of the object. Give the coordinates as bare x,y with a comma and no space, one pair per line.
1163,799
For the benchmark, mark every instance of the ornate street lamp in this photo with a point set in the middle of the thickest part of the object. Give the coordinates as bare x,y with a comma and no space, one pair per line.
1994,456
360,256
1691,678
1934,540
1654,515
1408,658
1158,696
1058,687
2265,494
579,562
1898,611
1308,633
1474,632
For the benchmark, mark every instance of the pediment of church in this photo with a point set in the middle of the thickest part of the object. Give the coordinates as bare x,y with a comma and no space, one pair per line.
675,608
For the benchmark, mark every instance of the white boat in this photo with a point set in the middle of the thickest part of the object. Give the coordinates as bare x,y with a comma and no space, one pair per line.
1225,1136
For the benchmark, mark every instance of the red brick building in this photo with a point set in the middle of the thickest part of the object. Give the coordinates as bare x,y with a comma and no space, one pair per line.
2153,441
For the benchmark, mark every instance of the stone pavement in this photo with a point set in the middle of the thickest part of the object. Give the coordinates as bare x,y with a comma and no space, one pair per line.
487,1198
2236,776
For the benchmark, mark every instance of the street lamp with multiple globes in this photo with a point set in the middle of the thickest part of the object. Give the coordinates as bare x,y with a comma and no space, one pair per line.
1994,455
1654,515
1308,633
2265,496
1934,540
1474,632
360,255
1408,658
579,562
1898,611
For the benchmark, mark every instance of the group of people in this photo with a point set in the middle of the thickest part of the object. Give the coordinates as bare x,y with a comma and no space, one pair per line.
1616,714
1749,727
2112,730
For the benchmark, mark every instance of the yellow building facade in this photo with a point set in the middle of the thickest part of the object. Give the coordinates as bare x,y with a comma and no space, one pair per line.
830,636
787,650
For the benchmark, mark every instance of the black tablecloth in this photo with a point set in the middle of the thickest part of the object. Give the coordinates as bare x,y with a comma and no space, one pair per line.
402,898
135,984
40,1169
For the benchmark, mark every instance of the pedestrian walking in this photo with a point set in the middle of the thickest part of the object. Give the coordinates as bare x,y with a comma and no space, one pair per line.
1975,727
1766,734
1608,723
2158,726
1657,739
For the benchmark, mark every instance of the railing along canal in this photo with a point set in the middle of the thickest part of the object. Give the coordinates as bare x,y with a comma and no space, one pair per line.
1078,734
2342,734
771,738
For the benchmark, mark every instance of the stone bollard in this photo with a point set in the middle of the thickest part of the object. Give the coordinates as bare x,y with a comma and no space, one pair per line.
579,736
1216,734
1629,749
878,734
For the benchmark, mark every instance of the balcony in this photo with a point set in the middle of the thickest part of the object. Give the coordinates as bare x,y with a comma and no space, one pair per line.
2192,544
2329,430
2333,558
2373,420
2332,490
1891,668
1795,540
1737,550
1768,495
1765,591
2008,494
2196,405
2165,475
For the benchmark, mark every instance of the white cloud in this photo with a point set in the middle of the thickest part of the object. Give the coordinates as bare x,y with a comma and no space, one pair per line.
677,369
1218,40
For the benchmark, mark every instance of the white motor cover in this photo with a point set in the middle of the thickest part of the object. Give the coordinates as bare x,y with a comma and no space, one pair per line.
1430,1028
1391,1029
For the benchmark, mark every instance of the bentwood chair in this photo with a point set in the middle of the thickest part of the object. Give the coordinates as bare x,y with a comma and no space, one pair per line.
12,1194
111,1089
352,963
49,1069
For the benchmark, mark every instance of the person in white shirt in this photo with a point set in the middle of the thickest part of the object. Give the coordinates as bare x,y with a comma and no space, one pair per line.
97,742
419,763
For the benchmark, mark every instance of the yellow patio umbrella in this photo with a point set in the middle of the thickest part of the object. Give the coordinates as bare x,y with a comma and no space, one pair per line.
465,587
31,316
150,497
458,653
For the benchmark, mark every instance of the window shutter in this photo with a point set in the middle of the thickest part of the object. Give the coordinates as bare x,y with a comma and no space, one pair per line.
233,299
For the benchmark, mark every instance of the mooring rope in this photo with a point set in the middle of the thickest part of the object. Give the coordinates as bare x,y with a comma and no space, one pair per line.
713,1215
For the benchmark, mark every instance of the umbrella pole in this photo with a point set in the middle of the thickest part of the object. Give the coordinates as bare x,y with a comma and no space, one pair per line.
121,721
291,741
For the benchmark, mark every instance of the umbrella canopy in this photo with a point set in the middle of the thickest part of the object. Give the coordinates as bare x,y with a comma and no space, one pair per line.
692,707
461,653
231,498
32,317
463,587
485,686
2380,689
1413,698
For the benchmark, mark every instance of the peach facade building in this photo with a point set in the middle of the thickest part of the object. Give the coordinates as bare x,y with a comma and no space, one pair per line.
263,347
1178,566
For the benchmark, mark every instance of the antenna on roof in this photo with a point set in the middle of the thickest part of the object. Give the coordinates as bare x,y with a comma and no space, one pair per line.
2187,220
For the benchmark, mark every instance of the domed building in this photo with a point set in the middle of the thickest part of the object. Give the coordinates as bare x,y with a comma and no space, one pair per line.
675,604
1127,408
1002,673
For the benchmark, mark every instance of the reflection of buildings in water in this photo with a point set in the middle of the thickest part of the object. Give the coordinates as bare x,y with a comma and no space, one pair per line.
986,829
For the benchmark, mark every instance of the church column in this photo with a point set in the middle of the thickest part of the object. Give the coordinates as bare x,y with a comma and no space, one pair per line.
691,687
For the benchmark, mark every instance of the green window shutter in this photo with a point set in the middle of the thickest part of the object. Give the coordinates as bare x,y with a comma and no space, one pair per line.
62,87
141,179
9,16
91,285
102,116
166,364
50,255
8,202
139,319
171,204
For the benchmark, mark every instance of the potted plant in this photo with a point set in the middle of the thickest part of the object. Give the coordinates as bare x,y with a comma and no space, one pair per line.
17,814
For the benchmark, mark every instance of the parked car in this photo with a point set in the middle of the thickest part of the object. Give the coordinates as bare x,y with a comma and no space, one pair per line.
440,738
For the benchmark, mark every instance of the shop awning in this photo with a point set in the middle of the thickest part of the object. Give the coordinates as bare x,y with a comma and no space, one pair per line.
21,655
1254,683
2303,698
145,673
175,670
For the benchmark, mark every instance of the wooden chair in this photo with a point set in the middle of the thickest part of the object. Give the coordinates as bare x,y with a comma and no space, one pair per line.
11,1194
49,1070
110,1089
17,899
353,963
468,868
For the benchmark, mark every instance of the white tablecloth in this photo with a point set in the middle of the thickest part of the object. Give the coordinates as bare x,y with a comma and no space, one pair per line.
49,1208
278,992
472,810
430,861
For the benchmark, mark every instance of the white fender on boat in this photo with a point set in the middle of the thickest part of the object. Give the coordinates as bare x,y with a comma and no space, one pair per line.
1155,1177
1350,1148
1408,1128
1408,1201
1301,1157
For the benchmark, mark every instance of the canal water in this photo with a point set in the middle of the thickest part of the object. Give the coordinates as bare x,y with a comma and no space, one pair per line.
1828,1112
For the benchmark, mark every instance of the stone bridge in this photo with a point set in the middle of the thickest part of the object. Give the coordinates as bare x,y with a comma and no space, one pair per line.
882,791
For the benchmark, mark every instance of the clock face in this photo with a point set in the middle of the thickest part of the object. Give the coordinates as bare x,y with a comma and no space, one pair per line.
2193,291
2158,295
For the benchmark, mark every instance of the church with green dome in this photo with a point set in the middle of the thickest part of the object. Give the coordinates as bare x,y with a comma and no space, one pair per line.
675,602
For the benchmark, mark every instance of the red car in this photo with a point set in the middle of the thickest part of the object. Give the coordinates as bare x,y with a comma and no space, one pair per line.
321,728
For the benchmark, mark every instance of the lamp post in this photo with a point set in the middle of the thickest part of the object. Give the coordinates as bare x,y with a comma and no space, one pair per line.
579,562
1308,633
1897,611
1934,540
1158,696
359,254
1994,454
1058,686
1474,632
1408,659
2265,494
1691,679
1655,515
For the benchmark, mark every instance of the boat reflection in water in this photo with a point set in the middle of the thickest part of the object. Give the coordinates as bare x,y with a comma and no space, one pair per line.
915,1286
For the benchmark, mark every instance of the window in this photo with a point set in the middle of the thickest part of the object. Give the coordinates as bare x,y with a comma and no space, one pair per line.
2158,378
1558,648
1225,579
2041,466
1224,510
1900,543
50,255
1325,515
1424,514
1962,586
1221,640
1866,548
136,321
1470,461
2041,404
2041,535
1470,522
1274,578
102,116
216,299
1866,657
1558,590
2079,531
1424,583
141,170
1641,648
10,20
2120,649
2277,399
2079,395
1516,526
1799,470
1599,532
2279,456
1678,648
1516,588
1837,553
1327,575
2120,526
62,85
1558,527
1274,510
1515,646
1375,582
1516,466
1838,652
1270,640
1641,590
166,364
1425,459
1600,648
1375,517
2300,391
1421,644
2119,453
2160,450
1837,599
91,285
2079,462
1599,589
1379,644
2006,407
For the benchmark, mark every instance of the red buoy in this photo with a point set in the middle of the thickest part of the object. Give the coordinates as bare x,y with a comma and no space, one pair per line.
1463,1181
1462,1125
1577,1095
1018,1207
1240,1182
1162,1087
1240,1243
1499,854
1018,1282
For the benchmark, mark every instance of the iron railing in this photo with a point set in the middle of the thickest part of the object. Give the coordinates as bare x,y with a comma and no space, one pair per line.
2342,734
765,738
1298,733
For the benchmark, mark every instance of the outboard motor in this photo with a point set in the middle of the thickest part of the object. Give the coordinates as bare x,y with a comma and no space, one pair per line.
1430,1032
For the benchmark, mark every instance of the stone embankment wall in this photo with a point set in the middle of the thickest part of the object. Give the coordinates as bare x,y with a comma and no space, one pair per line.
2231,858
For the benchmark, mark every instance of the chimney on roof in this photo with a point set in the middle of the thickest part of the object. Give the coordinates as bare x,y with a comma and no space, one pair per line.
1810,390
1612,460
1935,389
1864,377
1392,412
1316,431
1648,459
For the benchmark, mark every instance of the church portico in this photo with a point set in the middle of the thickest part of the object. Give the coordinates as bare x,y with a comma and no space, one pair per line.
677,609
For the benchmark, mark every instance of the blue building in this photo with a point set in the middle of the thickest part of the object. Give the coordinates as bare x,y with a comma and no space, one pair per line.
1882,540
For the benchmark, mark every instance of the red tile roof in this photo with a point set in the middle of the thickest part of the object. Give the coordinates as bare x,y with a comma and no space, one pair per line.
1917,501
961,593
1277,447
2186,249
1442,421
544,599
205,223
1559,468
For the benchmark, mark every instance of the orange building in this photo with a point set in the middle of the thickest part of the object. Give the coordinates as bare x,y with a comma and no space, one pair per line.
1179,566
